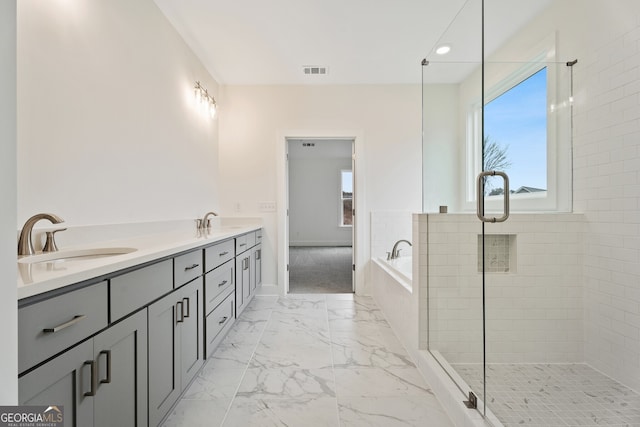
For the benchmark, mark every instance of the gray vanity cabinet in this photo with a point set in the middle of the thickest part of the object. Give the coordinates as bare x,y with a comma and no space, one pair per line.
191,332
120,354
63,381
219,287
246,257
243,281
175,346
91,379
256,261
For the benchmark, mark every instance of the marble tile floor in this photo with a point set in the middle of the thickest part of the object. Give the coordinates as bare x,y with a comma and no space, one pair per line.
553,395
310,361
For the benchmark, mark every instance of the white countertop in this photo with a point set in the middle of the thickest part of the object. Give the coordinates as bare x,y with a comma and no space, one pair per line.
37,278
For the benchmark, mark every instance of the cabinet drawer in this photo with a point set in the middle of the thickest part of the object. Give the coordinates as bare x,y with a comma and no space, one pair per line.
187,267
218,254
217,283
220,317
241,244
251,239
244,242
138,288
50,326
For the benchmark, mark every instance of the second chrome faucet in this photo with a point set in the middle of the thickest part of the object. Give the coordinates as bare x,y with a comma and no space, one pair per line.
395,252
205,222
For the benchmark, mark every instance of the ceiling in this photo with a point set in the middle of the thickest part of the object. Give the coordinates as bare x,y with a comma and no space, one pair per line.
248,42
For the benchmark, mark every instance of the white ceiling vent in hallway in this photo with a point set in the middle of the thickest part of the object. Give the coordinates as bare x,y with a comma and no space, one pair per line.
315,70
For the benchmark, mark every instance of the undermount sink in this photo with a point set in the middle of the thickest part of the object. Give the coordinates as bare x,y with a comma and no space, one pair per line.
75,255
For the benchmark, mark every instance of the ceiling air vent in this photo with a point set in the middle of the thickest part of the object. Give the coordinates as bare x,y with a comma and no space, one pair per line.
315,70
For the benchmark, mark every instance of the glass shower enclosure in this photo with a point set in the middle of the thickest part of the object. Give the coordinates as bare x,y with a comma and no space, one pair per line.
505,295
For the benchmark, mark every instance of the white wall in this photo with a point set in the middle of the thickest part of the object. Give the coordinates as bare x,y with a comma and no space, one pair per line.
254,120
8,293
607,183
107,127
315,208
441,148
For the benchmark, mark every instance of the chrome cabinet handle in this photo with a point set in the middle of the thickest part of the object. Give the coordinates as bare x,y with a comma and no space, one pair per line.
181,311
94,377
242,244
224,253
258,254
65,325
224,282
188,308
480,195
223,320
108,379
191,267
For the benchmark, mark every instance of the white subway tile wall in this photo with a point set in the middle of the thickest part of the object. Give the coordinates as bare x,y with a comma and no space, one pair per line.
534,312
607,190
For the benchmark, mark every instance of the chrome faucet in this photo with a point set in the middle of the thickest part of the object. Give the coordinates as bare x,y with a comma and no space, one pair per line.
206,222
395,252
25,243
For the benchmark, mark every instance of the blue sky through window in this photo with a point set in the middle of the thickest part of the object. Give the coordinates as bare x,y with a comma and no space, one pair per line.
517,121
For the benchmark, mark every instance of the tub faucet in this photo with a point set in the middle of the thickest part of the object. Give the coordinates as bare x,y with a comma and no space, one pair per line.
25,243
205,221
395,252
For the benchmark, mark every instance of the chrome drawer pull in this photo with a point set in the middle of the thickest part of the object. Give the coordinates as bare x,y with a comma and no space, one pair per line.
258,254
223,283
94,377
223,320
243,244
191,267
181,311
224,253
188,307
108,379
65,325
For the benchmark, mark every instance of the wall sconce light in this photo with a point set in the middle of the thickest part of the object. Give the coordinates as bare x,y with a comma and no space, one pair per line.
206,102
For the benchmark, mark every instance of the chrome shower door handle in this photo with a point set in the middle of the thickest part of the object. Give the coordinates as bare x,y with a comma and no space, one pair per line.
480,195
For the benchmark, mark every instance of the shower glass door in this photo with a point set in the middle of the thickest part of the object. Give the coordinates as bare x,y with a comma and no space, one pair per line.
452,112
533,335
503,292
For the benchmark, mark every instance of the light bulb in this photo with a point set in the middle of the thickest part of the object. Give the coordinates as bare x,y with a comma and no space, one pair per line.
443,49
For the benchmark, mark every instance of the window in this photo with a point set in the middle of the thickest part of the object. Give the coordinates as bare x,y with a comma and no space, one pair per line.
515,137
346,198
527,130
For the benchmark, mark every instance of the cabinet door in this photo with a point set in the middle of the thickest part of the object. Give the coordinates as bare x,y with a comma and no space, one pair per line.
164,375
257,265
63,381
121,356
190,330
243,264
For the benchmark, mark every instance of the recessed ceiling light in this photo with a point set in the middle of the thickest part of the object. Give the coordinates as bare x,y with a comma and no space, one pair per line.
443,49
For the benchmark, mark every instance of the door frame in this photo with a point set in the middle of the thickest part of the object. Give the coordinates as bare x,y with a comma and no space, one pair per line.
283,201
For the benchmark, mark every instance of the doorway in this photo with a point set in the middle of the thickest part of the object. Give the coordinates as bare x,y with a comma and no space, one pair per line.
320,185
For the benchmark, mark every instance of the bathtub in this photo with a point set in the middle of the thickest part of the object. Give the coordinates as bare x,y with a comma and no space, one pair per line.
400,269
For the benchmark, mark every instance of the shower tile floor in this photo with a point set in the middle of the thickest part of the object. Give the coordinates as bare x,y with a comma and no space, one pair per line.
553,395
